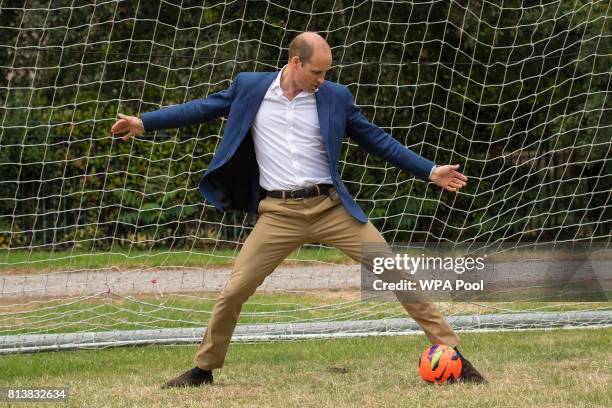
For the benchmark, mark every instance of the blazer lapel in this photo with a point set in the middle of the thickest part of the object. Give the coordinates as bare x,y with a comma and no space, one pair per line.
254,101
323,112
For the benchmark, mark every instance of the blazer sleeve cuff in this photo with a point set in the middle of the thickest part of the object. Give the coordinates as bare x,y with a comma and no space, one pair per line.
431,172
151,121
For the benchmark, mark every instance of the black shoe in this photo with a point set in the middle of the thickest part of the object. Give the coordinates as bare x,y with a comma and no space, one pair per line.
188,379
468,373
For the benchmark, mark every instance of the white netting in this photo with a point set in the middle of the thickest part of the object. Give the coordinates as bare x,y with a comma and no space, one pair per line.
99,234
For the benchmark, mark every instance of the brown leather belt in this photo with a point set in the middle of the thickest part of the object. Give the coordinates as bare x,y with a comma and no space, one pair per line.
311,191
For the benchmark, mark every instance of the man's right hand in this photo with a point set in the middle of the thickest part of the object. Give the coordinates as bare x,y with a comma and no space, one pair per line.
130,124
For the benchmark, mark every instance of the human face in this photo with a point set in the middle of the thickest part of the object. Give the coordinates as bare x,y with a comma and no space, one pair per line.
309,76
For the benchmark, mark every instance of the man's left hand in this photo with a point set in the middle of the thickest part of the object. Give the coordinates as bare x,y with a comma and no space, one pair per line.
448,177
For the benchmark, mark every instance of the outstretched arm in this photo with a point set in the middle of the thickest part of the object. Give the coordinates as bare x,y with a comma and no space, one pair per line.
379,143
175,116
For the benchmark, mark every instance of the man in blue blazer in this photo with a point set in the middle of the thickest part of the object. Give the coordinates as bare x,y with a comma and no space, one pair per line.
279,157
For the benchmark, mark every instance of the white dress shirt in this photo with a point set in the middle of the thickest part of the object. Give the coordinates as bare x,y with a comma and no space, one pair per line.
288,141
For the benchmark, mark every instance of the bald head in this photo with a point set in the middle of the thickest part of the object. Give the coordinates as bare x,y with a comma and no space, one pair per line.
306,45
309,60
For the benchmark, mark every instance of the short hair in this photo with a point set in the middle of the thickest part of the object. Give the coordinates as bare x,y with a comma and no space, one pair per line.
302,48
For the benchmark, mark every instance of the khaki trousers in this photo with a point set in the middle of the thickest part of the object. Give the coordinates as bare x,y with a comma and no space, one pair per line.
282,227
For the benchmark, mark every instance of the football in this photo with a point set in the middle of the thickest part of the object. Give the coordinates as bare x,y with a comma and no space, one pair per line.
439,364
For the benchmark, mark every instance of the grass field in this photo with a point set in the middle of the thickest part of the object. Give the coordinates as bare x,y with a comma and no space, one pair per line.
42,261
557,368
37,261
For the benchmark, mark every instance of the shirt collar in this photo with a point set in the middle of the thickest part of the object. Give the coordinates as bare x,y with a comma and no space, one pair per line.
275,87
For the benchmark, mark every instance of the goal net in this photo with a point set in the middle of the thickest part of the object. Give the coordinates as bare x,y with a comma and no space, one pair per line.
106,242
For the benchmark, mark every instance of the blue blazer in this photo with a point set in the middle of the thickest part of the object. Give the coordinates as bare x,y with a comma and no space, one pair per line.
232,178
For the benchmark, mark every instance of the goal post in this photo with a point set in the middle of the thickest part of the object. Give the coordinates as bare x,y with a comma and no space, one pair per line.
101,235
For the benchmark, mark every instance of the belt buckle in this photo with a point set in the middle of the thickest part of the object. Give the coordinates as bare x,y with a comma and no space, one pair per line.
294,198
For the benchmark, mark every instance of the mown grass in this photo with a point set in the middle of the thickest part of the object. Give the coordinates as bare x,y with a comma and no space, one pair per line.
557,368
43,261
